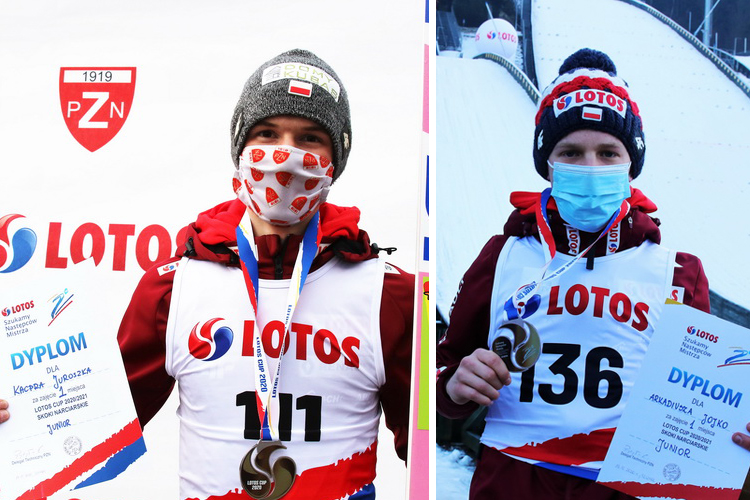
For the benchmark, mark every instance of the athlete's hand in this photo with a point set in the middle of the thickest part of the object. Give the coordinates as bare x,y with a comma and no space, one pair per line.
478,378
742,439
4,415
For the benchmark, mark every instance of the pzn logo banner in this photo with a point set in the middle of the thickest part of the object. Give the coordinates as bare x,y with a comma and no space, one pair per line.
95,102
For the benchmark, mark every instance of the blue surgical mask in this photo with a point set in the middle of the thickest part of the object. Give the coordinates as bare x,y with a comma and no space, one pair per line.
587,196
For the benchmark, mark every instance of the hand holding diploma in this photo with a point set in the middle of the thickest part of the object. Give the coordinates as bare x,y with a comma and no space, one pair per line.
741,439
691,395
62,375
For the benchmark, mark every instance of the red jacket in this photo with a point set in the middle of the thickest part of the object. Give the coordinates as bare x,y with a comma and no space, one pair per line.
211,237
469,326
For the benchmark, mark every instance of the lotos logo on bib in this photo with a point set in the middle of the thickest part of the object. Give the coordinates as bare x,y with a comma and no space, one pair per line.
588,97
207,343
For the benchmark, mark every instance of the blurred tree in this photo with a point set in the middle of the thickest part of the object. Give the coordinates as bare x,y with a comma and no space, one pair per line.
472,13
731,19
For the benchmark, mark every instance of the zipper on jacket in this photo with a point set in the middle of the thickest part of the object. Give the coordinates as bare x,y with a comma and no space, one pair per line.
278,260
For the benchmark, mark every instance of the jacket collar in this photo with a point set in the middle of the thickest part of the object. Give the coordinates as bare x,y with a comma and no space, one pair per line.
636,228
212,237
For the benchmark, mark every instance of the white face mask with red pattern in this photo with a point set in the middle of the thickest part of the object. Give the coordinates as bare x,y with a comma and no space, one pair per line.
282,184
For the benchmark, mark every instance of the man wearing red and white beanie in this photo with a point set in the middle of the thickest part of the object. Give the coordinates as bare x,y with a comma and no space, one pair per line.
548,429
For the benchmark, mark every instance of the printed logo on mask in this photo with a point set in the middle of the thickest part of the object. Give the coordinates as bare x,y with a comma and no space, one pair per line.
309,161
258,154
284,178
272,198
256,174
280,155
298,204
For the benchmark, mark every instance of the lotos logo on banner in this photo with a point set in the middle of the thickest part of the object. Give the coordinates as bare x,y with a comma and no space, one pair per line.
95,102
63,244
208,346
15,250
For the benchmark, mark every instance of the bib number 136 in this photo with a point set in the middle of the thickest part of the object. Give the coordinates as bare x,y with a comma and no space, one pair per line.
593,377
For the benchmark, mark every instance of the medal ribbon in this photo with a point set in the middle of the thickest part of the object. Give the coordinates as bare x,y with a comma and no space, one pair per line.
266,383
515,305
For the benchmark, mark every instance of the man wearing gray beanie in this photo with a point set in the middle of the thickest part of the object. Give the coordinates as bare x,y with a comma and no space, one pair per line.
266,93
284,329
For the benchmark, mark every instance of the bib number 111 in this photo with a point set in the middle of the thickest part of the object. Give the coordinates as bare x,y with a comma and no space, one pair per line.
311,405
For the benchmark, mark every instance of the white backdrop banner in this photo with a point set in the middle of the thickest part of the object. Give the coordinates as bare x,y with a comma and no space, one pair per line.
114,126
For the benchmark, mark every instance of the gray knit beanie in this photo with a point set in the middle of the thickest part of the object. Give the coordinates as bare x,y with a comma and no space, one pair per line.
296,83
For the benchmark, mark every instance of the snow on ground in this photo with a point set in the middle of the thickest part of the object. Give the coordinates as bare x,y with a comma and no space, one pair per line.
454,469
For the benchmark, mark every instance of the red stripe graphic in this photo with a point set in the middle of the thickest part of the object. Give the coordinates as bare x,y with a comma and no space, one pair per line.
678,491
328,482
98,454
574,450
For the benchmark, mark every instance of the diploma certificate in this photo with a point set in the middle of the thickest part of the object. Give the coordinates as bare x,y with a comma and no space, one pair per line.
72,417
691,395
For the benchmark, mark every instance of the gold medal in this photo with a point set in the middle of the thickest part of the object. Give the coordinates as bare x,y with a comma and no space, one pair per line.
259,479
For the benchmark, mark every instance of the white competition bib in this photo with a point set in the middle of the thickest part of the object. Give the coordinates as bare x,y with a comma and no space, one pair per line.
329,380
595,326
